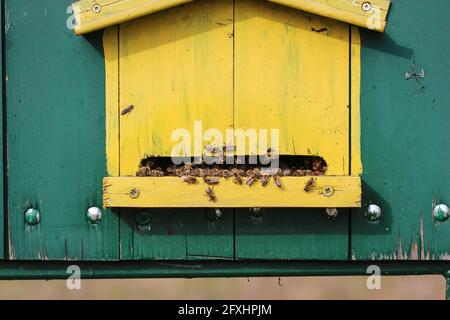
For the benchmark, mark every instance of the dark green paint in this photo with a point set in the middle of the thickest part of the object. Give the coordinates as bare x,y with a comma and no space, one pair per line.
2,168
405,134
56,135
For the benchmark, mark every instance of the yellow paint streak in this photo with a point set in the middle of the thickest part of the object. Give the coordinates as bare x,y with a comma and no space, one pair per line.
356,162
118,11
176,67
110,44
291,78
170,192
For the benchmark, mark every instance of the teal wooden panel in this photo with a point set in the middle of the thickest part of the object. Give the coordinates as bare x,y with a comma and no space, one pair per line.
2,203
183,234
405,134
292,234
56,135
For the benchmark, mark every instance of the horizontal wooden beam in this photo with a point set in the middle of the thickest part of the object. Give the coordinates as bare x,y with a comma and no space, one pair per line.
171,192
93,15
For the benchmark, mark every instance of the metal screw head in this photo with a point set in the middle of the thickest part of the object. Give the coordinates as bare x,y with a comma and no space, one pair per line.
328,191
96,8
441,213
366,6
213,215
134,193
94,215
331,212
143,218
373,213
32,216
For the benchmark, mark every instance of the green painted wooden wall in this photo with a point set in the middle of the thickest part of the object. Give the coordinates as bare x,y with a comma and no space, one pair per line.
55,129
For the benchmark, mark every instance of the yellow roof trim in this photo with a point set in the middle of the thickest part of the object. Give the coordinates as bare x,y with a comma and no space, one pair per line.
93,15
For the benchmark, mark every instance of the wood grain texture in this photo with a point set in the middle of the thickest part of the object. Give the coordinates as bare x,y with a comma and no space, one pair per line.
176,67
172,192
405,139
56,136
292,78
111,12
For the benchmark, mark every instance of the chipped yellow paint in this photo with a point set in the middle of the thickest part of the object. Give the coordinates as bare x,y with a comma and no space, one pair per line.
110,44
356,162
169,192
92,15
176,67
294,79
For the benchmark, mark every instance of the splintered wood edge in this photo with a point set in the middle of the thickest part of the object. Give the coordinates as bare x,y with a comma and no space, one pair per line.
171,192
91,15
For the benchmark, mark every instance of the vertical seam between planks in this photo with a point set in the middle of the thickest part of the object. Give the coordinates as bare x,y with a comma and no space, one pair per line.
4,141
119,225
349,253
234,103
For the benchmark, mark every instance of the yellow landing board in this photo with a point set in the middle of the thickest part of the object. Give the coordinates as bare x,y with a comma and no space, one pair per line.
171,192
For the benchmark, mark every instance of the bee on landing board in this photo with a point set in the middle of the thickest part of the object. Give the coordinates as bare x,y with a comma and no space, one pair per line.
210,194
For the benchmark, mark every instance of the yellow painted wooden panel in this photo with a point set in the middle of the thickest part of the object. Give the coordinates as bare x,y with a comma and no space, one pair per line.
355,137
96,14
111,48
176,67
292,78
172,192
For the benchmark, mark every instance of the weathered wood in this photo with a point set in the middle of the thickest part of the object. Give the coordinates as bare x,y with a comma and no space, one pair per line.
93,15
405,137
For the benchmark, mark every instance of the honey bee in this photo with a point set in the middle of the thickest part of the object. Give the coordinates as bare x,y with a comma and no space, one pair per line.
265,180
187,170
127,110
143,172
226,174
287,172
211,181
250,180
309,184
237,178
257,173
210,194
189,179
299,173
277,181
156,173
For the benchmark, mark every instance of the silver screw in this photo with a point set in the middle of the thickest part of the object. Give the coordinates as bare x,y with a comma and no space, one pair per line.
328,191
257,212
366,6
94,215
96,8
441,213
213,215
331,213
373,213
32,216
134,193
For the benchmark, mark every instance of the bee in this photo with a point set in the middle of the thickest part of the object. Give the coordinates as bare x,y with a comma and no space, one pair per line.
189,179
127,110
171,171
156,173
210,194
277,181
250,180
201,172
211,181
178,172
257,173
309,184
308,173
226,174
249,173
299,173
287,172
237,178
143,172
187,170
265,180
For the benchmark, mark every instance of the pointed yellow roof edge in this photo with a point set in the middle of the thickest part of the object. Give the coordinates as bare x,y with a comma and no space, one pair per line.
91,15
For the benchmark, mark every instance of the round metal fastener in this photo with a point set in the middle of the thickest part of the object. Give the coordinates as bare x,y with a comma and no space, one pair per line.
94,215
366,6
32,216
134,193
96,8
213,215
373,213
441,213
331,212
257,212
143,218
328,191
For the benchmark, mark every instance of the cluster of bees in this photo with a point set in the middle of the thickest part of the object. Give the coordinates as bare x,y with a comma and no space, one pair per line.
240,174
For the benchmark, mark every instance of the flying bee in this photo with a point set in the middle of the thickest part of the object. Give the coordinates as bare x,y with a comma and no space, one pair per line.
309,184
211,181
265,180
277,181
250,180
189,179
210,194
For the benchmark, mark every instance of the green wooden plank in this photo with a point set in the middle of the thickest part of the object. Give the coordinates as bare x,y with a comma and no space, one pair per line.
292,234
405,136
56,135
2,203
181,234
